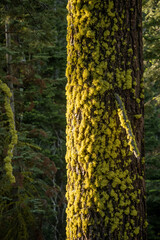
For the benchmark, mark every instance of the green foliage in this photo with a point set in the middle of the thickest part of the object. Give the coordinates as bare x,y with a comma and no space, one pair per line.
152,143
151,27
33,207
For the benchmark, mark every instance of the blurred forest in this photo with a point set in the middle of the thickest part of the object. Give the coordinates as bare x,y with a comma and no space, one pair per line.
33,38
151,33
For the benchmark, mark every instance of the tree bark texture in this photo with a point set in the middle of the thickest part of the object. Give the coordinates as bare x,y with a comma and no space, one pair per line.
105,148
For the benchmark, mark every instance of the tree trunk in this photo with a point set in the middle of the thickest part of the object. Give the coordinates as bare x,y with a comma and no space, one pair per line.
8,63
105,148
9,106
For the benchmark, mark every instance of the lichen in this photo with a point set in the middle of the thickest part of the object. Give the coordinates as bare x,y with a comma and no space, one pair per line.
125,123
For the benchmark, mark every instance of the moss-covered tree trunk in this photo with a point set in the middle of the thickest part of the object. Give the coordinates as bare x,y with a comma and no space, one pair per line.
105,154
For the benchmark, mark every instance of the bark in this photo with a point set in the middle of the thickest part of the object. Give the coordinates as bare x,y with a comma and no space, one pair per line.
105,148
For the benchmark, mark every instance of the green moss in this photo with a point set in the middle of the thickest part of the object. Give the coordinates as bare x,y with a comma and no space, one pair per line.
138,116
138,100
130,51
136,231
146,224
134,212
142,96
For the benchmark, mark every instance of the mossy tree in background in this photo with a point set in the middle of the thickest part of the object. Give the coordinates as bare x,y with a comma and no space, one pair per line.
105,148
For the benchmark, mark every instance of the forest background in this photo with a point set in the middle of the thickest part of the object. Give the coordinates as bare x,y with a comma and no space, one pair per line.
34,206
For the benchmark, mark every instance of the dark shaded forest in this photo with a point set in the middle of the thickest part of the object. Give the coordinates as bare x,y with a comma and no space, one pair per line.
33,63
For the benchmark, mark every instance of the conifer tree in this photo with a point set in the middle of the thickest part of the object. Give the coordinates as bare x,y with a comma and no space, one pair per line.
33,207
105,153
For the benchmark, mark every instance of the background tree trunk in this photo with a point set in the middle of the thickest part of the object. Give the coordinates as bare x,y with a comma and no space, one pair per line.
9,64
105,149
